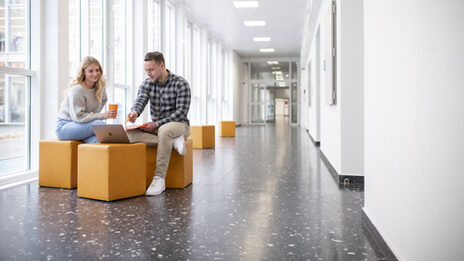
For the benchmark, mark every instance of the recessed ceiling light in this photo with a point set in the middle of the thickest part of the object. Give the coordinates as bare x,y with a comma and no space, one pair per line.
246,4
267,50
261,39
255,23
272,62
275,68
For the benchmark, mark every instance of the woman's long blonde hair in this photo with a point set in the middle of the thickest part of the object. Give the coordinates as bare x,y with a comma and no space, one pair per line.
80,76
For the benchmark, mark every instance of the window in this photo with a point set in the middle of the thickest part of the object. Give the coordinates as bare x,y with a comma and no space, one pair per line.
170,37
74,36
92,14
96,29
118,75
85,32
226,92
188,51
211,83
13,34
196,86
154,25
14,87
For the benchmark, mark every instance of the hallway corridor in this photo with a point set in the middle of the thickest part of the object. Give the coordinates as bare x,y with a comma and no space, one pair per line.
263,195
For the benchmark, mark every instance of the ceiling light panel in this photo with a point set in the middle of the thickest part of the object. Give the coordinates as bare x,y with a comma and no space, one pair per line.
261,39
255,23
246,4
267,50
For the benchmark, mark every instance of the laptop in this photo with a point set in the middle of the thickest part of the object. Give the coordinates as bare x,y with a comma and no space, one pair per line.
111,133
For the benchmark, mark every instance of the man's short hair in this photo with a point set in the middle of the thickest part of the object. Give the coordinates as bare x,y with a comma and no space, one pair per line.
154,56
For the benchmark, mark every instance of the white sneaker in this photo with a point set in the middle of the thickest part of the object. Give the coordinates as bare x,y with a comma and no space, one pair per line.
156,187
179,144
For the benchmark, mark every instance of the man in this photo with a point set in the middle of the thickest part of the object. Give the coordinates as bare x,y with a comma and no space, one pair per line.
169,97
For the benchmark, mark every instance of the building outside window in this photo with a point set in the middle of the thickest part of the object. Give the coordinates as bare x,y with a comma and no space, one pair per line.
15,77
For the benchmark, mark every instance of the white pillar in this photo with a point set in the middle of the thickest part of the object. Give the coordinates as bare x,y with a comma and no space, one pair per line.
55,63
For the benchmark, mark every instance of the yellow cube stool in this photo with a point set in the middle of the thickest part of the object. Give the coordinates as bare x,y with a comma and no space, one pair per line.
227,129
111,171
58,163
203,136
180,169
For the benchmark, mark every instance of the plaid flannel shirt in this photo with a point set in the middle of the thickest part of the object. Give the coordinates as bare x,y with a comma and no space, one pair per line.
169,101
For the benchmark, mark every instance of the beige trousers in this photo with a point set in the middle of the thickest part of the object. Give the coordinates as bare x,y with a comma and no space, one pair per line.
166,133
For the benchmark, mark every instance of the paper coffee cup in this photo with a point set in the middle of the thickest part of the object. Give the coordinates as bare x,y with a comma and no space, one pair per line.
113,107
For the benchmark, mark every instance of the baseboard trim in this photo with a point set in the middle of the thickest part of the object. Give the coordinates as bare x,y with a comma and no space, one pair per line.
342,180
316,143
18,179
374,233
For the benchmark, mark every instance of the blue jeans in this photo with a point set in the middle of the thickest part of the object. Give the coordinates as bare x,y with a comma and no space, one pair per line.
82,131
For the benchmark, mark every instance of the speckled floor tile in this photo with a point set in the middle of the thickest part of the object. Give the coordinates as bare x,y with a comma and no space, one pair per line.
262,195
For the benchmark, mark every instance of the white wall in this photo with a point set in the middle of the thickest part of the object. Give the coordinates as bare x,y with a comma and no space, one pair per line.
351,89
303,95
314,108
339,127
330,114
414,125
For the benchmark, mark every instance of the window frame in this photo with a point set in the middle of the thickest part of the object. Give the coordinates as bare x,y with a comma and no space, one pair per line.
31,82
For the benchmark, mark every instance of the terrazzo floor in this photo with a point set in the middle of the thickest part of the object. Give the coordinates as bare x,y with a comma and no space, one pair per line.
262,195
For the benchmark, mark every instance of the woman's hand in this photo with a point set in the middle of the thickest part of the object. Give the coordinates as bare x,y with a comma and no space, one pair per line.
109,114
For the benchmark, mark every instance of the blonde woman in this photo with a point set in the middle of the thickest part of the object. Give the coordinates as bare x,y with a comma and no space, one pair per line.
85,98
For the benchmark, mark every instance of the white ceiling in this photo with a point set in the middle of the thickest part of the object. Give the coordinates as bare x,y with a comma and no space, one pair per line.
284,25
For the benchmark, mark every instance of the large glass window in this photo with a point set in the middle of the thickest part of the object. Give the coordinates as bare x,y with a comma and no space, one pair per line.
211,92
14,87
223,87
170,36
188,51
154,25
96,29
92,14
218,83
196,90
13,34
226,86
119,73
188,61
74,32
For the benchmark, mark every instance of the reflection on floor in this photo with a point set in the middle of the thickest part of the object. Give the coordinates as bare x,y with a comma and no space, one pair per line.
262,195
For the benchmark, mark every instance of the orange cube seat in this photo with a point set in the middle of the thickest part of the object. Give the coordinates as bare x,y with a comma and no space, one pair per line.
203,136
58,163
227,129
111,171
180,169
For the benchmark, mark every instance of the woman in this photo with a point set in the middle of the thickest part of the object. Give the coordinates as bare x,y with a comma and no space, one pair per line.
85,98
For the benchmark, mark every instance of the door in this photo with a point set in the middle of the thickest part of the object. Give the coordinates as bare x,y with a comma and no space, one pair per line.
257,104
